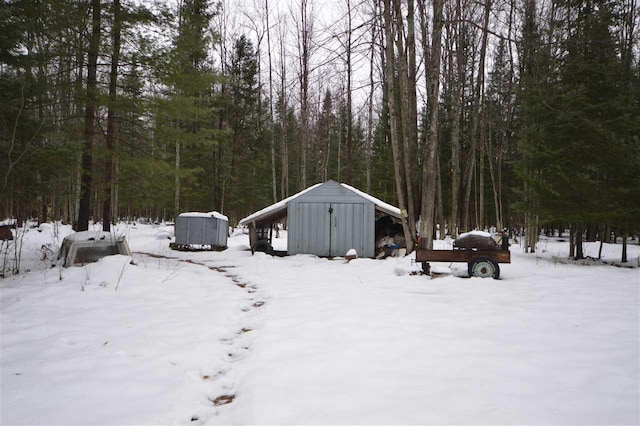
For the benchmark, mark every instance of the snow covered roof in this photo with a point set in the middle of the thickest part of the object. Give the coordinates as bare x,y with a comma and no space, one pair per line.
209,214
380,205
275,209
477,233
278,210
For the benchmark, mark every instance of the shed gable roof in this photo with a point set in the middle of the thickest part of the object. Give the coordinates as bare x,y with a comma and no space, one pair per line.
318,192
330,192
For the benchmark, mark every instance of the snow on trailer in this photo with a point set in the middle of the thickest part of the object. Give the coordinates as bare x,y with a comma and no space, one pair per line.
201,231
476,248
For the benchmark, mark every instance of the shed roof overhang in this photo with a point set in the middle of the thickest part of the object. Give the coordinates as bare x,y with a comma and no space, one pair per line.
267,218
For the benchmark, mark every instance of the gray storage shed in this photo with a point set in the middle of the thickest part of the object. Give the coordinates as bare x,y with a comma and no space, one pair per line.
201,229
327,219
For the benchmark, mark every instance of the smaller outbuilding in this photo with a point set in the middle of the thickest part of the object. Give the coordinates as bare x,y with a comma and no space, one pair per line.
328,219
195,230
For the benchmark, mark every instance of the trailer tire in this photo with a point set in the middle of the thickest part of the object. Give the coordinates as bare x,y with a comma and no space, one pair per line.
484,267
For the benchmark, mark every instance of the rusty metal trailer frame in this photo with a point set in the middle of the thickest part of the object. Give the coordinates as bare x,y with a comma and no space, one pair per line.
481,263
191,247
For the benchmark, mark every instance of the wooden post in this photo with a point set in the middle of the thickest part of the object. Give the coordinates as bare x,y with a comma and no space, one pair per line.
252,235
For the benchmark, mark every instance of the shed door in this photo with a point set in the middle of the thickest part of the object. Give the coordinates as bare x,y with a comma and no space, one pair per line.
330,229
313,228
347,229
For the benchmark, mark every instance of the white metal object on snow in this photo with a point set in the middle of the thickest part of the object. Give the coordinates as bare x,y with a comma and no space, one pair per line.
90,246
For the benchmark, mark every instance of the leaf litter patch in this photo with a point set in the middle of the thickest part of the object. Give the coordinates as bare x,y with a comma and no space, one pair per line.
223,400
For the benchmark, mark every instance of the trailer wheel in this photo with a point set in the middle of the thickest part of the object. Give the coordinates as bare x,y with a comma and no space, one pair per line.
484,267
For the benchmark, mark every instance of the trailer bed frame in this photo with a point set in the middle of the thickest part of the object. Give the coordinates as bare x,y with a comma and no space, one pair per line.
480,263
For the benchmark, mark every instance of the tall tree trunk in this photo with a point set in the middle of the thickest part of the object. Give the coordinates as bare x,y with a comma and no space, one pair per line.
393,118
429,165
456,109
115,193
340,127
176,201
78,111
483,143
468,184
579,238
304,35
86,163
77,191
412,103
601,237
284,143
531,232
404,117
325,166
272,123
440,210
369,153
111,119
495,186
349,101
477,120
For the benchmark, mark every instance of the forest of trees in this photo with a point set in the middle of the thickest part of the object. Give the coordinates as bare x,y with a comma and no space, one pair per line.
465,114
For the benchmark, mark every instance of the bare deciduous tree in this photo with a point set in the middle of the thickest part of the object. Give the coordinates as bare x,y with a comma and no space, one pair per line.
429,166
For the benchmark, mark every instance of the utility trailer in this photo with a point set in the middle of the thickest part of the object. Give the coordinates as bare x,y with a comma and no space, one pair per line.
201,231
479,250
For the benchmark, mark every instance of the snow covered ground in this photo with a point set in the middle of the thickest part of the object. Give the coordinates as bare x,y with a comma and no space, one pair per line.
231,338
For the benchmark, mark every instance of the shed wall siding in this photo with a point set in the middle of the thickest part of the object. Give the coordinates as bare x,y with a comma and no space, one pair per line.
352,227
314,230
223,233
309,226
201,231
